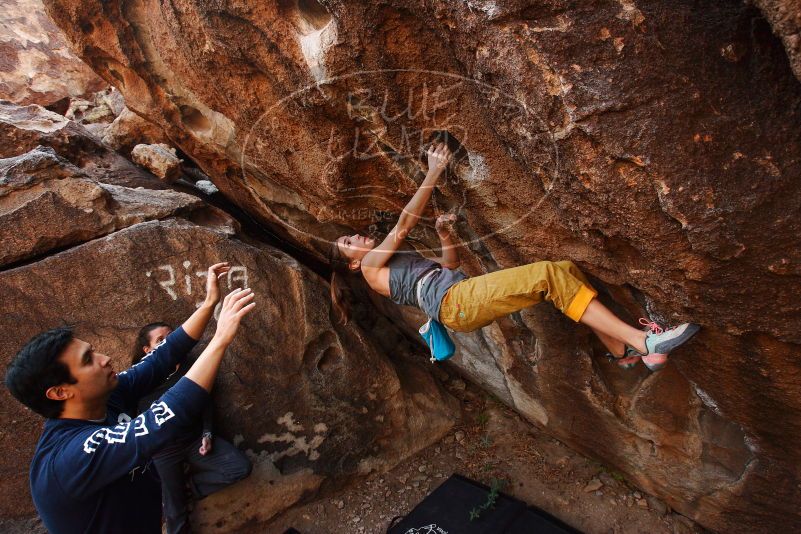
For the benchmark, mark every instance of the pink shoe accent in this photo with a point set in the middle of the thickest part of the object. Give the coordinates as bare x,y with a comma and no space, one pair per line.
651,325
653,362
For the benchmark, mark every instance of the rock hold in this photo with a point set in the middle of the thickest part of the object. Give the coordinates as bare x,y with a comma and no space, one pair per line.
129,130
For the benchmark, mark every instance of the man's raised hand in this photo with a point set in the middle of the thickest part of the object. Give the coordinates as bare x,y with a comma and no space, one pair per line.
196,323
235,306
215,272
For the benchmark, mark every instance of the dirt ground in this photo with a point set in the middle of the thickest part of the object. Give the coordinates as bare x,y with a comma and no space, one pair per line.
489,443
492,443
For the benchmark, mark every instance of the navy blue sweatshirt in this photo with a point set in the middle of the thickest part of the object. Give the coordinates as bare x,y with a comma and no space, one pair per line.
87,477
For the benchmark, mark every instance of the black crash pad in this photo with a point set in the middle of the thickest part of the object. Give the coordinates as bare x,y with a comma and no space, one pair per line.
447,511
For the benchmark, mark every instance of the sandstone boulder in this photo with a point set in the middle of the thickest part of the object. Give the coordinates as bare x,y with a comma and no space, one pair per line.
310,400
653,142
24,128
36,67
47,204
87,112
129,130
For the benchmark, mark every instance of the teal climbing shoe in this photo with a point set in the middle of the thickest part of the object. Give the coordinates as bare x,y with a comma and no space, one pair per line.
660,343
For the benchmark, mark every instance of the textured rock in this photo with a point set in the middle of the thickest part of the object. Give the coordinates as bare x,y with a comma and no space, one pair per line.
207,187
97,112
91,111
129,130
109,257
654,143
46,203
160,159
36,67
593,485
23,128
264,494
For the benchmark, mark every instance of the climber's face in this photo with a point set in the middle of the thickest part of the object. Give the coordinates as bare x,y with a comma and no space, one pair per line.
354,248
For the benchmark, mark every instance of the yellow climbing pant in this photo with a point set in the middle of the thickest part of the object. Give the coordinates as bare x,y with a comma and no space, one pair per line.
476,302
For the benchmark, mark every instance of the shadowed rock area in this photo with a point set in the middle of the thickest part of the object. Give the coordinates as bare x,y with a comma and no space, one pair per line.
785,18
653,143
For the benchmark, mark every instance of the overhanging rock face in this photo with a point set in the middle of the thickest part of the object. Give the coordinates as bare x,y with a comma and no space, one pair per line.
653,143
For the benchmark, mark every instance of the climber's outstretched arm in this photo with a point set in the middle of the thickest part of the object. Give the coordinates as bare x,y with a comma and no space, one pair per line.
438,158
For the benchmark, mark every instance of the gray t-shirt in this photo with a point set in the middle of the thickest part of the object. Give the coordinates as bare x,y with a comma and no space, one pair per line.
406,268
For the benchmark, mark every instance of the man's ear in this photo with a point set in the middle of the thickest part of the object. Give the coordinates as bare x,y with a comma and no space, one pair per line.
58,393
145,349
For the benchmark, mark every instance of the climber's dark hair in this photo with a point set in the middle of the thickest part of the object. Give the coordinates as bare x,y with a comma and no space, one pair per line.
340,268
142,340
36,368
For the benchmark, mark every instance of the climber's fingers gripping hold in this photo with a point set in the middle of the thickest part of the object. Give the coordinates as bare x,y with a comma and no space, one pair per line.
438,157
444,224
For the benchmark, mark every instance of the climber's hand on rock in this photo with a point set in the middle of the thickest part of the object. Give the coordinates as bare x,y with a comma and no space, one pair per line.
438,157
444,224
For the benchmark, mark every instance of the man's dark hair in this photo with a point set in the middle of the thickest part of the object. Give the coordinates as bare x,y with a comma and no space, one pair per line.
36,368
142,340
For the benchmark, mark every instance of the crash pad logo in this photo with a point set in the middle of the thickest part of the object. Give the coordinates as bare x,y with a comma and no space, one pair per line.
428,529
362,151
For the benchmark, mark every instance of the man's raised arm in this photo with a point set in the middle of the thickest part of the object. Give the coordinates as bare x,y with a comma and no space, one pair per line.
151,371
235,306
97,456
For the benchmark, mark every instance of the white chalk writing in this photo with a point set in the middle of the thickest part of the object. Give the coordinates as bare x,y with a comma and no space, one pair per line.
169,278
166,284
